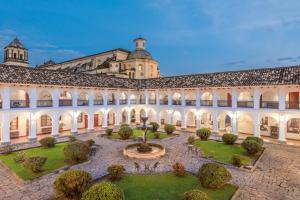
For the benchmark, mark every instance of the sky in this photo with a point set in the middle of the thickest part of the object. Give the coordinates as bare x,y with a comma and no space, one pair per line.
184,36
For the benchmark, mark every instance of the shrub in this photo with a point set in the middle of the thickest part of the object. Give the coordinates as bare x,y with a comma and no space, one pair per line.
71,184
20,157
47,142
156,135
203,133
7,149
194,194
72,138
237,160
257,139
90,142
125,132
213,175
251,146
179,169
76,152
115,172
104,191
169,128
191,139
155,126
229,138
35,163
122,125
109,131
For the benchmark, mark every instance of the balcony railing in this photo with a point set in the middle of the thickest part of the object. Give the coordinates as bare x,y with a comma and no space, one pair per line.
65,102
123,101
269,104
152,101
111,102
190,102
224,103
142,101
206,102
44,103
163,102
83,102
292,104
132,101
176,102
98,102
245,104
19,104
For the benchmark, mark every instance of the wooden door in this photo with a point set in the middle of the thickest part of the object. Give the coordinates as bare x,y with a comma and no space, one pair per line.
26,99
294,100
85,121
229,100
96,120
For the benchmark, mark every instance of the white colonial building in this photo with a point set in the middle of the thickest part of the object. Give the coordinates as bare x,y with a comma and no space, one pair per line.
35,102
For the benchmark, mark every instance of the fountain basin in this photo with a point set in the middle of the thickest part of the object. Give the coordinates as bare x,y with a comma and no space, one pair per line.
132,152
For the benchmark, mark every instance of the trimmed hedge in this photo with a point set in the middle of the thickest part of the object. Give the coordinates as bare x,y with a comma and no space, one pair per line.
71,184
251,146
169,128
229,138
35,163
238,160
257,139
76,152
194,194
125,132
155,126
47,142
109,131
213,175
20,157
104,191
203,133
191,139
115,172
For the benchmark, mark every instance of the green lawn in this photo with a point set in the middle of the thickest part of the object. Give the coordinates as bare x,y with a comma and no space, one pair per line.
140,133
222,152
167,187
55,160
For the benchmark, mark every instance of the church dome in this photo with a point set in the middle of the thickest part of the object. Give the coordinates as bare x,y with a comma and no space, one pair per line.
139,54
16,43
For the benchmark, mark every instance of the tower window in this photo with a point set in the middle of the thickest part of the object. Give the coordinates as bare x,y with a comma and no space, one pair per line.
21,56
15,55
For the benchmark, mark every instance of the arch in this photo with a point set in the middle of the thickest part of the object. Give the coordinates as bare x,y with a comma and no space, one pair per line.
44,124
163,99
83,99
124,116
176,98
123,98
163,117
65,122
98,100
245,123
152,115
206,99
190,99
245,99
142,113
269,99
133,99
190,119
98,119
142,98
224,99
111,118
177,118
19,126
111,99
152,98
19,99
82,120
65,99
269,125
224,123
206,120
132,116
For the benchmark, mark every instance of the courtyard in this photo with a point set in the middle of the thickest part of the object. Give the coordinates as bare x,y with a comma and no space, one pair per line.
277,174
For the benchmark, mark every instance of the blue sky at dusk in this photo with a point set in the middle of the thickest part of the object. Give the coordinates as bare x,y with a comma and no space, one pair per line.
185,36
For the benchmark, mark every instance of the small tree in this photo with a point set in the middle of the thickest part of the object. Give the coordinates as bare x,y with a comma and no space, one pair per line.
125,132
47,142
203,133
179,169
35,163
104,191
154,126
169,128
71,184
115,172
194,194
191,139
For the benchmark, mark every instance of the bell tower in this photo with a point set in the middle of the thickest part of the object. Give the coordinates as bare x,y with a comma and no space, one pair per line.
140,43
16,54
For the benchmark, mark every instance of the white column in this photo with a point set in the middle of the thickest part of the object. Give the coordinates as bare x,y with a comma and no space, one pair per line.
74,126
169,120
6,98
198,118
105,98
256,98
55,123
104,123
55,97
32,132
91,98
158,117
215,121
74,98
5,136
137,117
281,98
117,96
147,97
128,99
234,123
33,97
256,124
282,127
198,96
234,98
91,121
182,98
215,98
157,98
183,120
128,117
118,117
169,98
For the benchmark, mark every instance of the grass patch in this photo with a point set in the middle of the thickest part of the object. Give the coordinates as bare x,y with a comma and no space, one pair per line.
221,152
167,186
55,160
140,133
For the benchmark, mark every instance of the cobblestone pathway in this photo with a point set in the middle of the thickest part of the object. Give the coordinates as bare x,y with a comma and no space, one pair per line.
277,175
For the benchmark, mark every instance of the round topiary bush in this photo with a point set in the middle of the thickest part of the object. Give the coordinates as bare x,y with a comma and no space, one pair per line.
257,139
125,132
237,160
115,172
194,195
155,126
76,152
35,163
109,131
213,175
71,184
251,146
229,138
104,191
122,125
169,128
191,139
203,133
47,142
179,169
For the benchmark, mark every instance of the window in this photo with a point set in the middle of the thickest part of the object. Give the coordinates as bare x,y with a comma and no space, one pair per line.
14,124
140,67
45,120
15,55
21,56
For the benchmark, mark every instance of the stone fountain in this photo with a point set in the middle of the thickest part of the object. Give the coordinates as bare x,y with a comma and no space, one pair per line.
144,150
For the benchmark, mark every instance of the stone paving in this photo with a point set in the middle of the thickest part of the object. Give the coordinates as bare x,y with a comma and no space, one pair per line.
276,177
